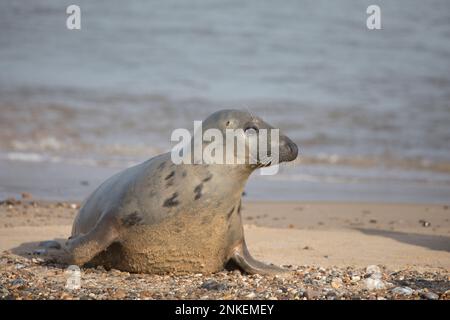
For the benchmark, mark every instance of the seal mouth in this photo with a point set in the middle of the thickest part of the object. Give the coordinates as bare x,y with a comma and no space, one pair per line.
264,165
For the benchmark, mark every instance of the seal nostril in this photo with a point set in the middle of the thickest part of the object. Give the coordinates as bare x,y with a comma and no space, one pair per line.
293,149
289,147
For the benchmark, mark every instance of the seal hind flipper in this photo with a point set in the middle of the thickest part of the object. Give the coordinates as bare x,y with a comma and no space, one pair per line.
242,258
83,247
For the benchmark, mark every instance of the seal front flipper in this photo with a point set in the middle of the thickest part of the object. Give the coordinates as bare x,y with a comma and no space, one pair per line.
242,258
83,247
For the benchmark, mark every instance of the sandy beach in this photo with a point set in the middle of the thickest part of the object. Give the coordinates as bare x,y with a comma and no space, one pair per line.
359,208
313,239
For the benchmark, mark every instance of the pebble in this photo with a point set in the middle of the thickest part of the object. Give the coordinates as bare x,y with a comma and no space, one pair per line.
65,296
430,295
251,295
311,294
18,283
404,291
373,269
118,294
213,285
374,284
301,292
3,292
331,295
37,260
336,283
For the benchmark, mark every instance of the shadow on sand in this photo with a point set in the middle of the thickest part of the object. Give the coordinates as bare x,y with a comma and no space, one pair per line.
433,242
34,250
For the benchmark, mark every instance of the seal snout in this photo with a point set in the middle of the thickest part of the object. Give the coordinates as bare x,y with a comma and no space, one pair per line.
288,149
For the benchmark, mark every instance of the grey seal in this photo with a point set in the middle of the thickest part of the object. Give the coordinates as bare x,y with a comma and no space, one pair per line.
159,217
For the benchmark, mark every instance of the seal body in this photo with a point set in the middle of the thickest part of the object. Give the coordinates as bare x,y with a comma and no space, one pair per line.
161,217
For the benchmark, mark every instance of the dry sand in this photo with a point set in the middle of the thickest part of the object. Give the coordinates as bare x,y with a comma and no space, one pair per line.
334,236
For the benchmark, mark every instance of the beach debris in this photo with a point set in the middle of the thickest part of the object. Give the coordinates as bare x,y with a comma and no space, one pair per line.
374,271
404,291
374,278
374,284
425,223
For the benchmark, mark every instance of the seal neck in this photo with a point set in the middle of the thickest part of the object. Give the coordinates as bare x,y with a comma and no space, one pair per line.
232,175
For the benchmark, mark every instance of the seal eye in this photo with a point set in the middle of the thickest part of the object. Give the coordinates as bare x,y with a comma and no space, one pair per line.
251,130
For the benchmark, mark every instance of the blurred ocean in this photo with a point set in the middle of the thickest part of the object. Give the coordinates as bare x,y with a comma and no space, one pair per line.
370,110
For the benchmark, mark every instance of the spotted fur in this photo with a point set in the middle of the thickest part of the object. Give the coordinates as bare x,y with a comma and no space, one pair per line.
172,201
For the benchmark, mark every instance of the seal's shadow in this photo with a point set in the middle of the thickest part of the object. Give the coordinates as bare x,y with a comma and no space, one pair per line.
433,242
34,250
